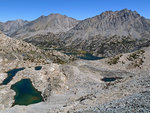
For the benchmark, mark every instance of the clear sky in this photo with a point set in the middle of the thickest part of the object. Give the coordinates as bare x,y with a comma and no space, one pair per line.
79,9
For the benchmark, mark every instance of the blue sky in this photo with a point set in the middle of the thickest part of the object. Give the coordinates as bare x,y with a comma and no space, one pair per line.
79,9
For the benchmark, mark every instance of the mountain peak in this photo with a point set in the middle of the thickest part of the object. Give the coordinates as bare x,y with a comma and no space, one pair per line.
56,14
54,23
121,23
128,11
20,20
123,12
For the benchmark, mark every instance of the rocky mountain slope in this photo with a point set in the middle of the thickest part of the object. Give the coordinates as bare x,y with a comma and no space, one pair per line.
54,23
11,26
108,46
45,40
109,23
11,49
124,30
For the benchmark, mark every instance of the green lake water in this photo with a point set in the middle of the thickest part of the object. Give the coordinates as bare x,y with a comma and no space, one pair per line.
26,94
11,74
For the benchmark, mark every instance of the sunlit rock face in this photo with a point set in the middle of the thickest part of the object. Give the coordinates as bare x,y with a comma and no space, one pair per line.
54,23
21,50
10,27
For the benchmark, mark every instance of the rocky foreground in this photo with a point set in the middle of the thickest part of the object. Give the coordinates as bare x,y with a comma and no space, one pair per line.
118,84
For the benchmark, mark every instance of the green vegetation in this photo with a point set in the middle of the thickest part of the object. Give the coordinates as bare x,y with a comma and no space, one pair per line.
136,58
114,60
135,55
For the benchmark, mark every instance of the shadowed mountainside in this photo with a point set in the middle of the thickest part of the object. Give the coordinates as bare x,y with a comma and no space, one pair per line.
124,30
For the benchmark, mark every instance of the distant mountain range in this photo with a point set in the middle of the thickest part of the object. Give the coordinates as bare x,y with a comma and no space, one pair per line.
121,23
54,23
107,34
12,26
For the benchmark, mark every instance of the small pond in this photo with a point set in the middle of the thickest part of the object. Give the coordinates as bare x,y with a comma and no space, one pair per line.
110,79
89,56
38,67
26,94
11,74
